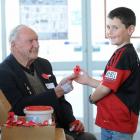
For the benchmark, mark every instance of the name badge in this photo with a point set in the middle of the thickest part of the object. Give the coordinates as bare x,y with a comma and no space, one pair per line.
50,85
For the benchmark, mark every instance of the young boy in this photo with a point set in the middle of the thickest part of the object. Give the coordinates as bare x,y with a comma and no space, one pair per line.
117,95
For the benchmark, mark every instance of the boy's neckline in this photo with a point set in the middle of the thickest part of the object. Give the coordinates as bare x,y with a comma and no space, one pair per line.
118,47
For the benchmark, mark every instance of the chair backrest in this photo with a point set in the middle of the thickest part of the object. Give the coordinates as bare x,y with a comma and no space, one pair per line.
4,108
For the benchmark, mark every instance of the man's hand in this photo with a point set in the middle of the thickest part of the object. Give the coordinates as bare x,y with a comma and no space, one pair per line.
64,87
59,91
67,87
77,126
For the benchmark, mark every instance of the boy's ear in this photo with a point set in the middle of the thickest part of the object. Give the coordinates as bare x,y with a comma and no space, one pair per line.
131,29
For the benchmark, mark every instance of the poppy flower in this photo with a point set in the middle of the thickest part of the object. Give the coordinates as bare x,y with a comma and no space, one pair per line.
77,69
46,76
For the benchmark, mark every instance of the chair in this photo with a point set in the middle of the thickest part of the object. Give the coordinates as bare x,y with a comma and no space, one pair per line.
4,108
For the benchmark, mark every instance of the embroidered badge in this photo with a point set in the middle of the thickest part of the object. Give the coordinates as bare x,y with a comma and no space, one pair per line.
111,75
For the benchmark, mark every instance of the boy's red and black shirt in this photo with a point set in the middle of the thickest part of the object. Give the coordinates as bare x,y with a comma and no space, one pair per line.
121,105
121,75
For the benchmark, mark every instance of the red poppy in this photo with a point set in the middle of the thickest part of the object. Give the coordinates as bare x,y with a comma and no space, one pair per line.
77,70
46,76
76,122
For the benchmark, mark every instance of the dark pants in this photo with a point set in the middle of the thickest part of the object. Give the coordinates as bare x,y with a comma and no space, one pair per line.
81,136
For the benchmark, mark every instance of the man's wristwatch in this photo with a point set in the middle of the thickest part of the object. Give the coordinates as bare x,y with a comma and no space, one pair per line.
90,99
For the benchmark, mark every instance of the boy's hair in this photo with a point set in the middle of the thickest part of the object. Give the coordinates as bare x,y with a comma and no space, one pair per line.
126,15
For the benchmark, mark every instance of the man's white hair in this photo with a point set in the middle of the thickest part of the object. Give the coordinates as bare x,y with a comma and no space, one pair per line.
15,32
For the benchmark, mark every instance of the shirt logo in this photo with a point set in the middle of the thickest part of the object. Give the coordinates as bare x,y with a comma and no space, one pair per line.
112,75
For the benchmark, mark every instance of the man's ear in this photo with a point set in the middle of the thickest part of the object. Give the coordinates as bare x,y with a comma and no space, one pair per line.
12,43
12,46
131,29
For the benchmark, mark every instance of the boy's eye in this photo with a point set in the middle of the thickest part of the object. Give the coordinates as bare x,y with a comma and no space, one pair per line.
115,27
108,27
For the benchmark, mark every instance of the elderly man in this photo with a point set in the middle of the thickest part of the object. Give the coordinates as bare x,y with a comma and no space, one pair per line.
27,79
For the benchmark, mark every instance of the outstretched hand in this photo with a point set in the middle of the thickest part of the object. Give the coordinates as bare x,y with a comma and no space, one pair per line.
82,77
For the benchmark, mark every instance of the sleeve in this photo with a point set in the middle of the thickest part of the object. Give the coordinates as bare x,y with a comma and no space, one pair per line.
115,76
67,111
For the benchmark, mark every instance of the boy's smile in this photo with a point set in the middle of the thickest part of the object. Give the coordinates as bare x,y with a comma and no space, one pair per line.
117,32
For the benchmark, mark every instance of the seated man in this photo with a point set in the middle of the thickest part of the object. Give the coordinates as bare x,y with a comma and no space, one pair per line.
27,79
